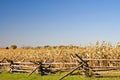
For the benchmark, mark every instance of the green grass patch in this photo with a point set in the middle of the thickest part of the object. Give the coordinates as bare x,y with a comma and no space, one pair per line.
24,76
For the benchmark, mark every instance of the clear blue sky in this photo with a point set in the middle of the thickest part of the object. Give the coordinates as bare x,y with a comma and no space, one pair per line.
58,22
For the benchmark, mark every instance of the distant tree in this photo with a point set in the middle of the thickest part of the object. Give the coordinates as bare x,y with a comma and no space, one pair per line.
38,47
13,46
54,47
47,46
7,48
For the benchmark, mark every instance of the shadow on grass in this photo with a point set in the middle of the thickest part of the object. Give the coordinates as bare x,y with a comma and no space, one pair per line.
107,76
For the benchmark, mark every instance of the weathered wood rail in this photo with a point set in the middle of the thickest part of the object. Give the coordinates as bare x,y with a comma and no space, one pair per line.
28,66
71,64
86,65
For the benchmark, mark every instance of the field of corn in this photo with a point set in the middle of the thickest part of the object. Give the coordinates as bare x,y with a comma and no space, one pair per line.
99,50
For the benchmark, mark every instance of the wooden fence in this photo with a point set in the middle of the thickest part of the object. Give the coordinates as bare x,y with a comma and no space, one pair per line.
85,65
94,63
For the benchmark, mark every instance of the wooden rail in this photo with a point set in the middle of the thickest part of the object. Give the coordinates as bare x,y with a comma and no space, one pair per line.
71,64
29,63
114,60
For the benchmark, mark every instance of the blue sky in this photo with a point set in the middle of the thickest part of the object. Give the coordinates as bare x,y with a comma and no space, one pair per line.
58,22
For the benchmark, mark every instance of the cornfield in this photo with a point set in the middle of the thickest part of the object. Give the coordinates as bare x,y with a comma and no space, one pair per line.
103,50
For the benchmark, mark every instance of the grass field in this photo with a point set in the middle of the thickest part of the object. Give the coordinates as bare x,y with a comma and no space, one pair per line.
24,76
